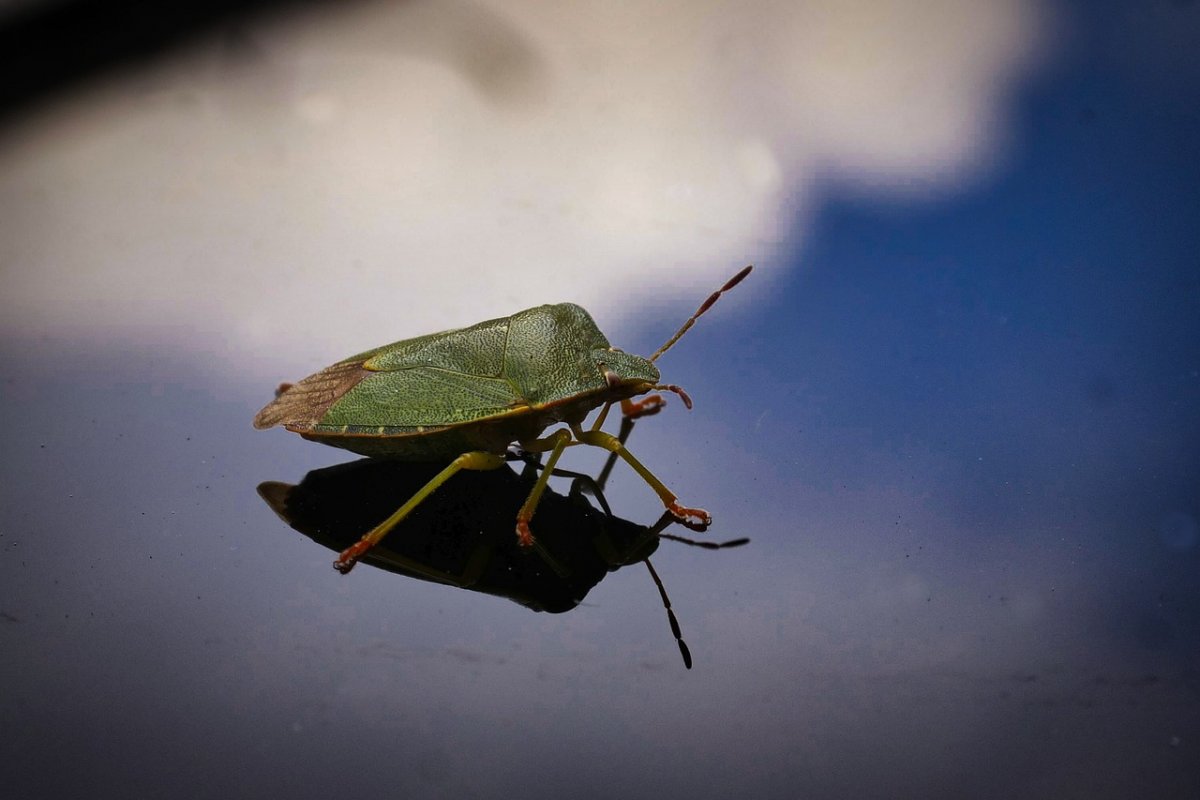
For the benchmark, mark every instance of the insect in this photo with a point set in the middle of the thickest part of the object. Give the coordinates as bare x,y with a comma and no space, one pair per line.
463,396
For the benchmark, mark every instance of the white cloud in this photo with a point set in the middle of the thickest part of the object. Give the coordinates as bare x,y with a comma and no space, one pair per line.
382,170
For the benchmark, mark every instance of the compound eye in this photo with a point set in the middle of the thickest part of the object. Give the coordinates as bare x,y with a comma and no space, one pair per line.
610,377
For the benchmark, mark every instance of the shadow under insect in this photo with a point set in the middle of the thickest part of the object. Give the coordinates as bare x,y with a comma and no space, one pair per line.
462,534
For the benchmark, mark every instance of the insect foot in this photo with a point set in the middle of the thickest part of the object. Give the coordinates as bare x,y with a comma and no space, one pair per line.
524,535
645,407
695,518
350,556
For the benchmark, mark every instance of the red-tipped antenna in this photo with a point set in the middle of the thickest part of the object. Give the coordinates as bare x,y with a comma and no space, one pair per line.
705,306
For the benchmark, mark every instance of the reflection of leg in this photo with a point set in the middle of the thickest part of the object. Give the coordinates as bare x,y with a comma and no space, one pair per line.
473,460
555,443
480,557
613,445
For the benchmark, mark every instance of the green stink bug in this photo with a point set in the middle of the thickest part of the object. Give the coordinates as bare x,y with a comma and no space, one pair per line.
465,395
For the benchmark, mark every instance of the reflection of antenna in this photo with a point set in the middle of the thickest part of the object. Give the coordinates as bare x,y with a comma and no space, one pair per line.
683,648
705,306
706,545
665,520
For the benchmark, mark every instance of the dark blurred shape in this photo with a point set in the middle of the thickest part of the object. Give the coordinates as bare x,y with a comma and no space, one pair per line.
48,47
463,534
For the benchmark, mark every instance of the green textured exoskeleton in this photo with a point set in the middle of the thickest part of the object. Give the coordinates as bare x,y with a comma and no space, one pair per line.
463,396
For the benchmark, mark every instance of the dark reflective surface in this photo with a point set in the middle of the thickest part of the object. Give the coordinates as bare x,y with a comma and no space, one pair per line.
166,628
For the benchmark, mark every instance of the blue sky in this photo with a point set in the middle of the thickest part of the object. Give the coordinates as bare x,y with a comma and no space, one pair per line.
1045,323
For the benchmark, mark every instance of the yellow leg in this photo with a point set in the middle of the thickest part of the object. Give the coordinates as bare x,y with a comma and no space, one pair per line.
613,445
555,443
477,460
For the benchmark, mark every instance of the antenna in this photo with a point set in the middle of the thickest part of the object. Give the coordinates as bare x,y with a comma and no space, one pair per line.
705,306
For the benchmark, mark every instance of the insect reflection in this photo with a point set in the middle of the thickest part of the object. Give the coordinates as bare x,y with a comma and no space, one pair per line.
462,535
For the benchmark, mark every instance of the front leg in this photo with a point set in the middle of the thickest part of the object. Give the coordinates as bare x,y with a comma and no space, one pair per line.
555,443
692,517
